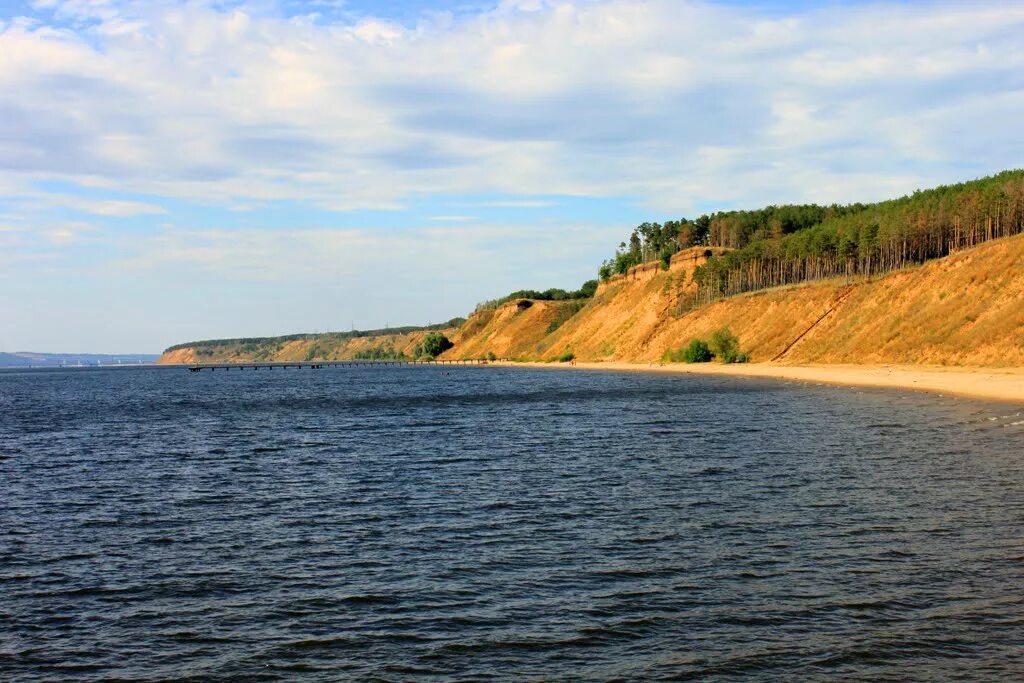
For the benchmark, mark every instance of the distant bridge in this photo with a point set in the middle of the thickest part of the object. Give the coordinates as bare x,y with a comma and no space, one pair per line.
318,364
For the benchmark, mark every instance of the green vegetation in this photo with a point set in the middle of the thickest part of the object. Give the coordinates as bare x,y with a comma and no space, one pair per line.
382,352
567,357
434,344
586,291
564,313
251,343
313,352
697,352
491,356
781,245
724,346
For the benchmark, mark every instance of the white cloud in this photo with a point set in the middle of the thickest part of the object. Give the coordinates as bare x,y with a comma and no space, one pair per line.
452,219
107,207
676,103
517,204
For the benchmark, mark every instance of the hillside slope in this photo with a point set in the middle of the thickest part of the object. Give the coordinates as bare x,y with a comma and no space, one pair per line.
320,347
965,309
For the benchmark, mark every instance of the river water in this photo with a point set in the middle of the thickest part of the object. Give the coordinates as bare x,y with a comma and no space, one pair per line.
503,524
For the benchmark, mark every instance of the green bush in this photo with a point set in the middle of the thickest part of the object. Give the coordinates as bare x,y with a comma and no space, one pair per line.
434,344
697,352
726,346
586,290
491,356
666,257
566,357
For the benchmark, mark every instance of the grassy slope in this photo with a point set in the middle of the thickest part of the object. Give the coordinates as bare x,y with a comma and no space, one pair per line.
966,309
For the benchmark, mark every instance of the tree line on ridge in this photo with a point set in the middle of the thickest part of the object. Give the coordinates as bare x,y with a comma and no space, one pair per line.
780,245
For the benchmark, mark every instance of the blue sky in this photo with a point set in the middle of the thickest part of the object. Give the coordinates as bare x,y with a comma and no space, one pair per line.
183,170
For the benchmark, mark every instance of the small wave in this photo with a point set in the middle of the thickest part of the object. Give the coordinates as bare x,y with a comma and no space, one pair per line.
754,576
645,540
526,644
70,557
369,599
712,471
194,637
635,573
98,523
754,620
93,591
500,505
616,632
322,643
161,540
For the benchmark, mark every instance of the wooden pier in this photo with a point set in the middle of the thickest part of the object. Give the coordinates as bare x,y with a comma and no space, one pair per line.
319,364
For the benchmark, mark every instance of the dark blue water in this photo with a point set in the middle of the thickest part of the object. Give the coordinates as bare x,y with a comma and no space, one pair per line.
487,523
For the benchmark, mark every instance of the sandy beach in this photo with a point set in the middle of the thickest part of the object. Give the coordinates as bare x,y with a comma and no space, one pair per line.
1000,384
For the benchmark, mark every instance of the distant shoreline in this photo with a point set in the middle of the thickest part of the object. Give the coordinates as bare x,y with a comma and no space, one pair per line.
998,384
83,366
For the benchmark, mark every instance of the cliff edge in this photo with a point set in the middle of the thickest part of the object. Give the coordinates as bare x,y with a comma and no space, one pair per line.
964,309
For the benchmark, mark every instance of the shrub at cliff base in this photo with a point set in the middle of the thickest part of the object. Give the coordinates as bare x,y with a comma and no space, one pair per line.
434,344
724,346
697,352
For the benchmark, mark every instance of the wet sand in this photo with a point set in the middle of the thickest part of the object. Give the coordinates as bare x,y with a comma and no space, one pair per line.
1001,384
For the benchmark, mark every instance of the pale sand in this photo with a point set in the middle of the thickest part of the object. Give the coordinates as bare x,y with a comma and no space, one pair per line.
1001,384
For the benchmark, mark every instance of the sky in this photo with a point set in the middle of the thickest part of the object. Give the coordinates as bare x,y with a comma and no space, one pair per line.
173,171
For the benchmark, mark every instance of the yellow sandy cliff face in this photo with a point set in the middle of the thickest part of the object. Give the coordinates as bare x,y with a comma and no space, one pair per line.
965,309
515,330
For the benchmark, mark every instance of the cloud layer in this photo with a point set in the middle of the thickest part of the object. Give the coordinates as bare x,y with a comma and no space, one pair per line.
675,103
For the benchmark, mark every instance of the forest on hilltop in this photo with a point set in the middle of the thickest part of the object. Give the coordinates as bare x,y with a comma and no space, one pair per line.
780,245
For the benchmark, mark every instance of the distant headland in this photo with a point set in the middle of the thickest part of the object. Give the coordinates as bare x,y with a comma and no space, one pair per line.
32,359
